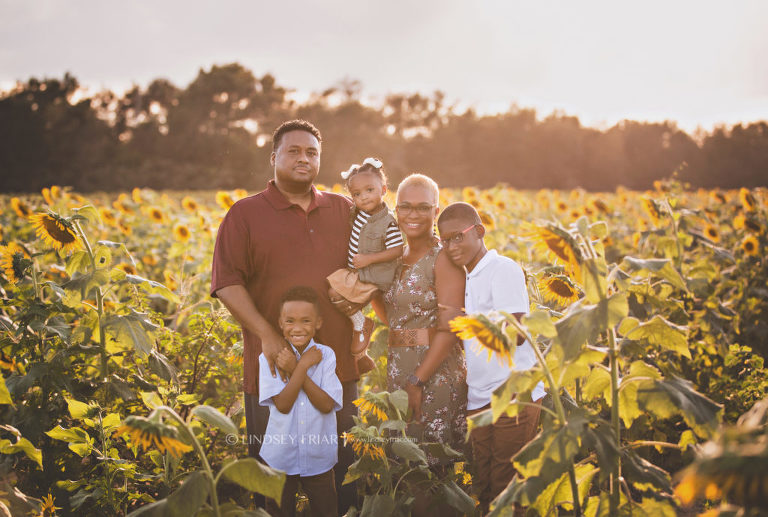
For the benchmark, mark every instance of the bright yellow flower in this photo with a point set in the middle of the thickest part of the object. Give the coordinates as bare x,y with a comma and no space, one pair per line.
468,193
156,214
559,244
370,406
739,221
240,193
224,200
56,192
121,206
12,261
559,289
107,216
561,207
48,507
487,334
750,245
189,204
20,207
718,197
149,260
686,490
128,269
169,279
364,446
124,228
181,232
55,231
652,209
46,192
747,199
149,431
711,233
487,220
136,196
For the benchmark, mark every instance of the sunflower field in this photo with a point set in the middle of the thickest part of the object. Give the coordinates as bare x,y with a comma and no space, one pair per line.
121,377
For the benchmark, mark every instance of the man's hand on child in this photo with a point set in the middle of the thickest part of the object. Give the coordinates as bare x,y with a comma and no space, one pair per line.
361,261
286,361
311,357
271,346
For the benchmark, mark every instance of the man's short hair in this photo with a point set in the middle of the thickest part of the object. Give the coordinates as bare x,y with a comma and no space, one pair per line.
459,211
294,125
300,293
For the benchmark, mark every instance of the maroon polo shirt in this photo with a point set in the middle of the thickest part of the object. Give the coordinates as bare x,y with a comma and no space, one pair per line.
268,245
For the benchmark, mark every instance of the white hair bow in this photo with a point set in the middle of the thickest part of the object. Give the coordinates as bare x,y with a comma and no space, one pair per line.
373,162
345,174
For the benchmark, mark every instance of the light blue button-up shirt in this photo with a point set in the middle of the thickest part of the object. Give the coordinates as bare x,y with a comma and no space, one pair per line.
303,441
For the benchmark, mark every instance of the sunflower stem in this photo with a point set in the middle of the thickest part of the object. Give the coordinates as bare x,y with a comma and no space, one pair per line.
615,423
554,388
203,458
99,309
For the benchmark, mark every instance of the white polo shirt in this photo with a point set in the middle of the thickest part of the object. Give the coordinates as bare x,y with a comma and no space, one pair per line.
497,283
303,441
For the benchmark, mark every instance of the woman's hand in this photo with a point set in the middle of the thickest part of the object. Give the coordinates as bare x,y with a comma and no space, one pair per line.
415,396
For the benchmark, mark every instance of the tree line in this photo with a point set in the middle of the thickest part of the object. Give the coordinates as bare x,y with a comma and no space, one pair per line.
216,133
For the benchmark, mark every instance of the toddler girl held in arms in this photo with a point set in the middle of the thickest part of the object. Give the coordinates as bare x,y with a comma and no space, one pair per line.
375,244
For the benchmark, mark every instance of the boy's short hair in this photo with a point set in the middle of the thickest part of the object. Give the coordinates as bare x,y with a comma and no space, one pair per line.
294,125
420,180
300,293
459,211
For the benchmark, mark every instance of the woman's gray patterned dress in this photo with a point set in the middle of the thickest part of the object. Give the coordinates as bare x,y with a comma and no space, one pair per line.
411,303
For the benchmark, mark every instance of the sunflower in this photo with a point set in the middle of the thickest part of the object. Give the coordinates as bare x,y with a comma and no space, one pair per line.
120,206
128,269
487,220
365,446
48,508
56,192
169,279
181,232
240,193
370,406
711,233
501,205
150,260
55,231
320,186
14,261
652,209
717,197
559,289
598,205
189,204
468,193
485,332
46,192
561,207
738,222
752,225
136,196
20,207
224,200
747,199
558,243
107,216
148,431
156,214
475,203
124,228
750,245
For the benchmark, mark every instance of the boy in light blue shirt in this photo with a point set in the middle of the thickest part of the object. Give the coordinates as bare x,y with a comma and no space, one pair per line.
301,437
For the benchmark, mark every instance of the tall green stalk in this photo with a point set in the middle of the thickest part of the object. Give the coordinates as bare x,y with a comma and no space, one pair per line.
615,424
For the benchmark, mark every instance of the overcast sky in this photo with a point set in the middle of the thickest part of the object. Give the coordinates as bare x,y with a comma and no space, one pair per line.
697,62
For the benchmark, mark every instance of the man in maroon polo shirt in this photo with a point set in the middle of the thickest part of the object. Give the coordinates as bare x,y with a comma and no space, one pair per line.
289,234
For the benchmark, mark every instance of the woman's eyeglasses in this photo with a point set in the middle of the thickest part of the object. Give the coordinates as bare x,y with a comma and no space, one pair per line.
406,209
456,239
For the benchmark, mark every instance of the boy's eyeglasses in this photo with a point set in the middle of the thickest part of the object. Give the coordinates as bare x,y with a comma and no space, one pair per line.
406,209
456,239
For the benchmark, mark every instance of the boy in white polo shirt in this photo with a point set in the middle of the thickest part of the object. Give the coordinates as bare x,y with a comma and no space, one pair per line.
301,437
494,283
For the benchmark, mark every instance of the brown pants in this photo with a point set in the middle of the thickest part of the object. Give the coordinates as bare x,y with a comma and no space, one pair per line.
320,490
492,448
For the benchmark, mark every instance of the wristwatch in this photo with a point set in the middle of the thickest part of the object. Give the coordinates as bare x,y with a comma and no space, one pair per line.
415,381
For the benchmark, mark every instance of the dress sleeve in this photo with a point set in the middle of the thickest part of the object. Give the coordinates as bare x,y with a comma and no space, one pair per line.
230,255
268,386
508,288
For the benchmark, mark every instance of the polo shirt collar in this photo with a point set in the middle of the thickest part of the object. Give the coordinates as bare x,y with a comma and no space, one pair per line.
489,257
279,201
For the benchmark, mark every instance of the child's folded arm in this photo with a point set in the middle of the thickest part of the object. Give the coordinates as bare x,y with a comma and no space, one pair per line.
287,397
328,397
